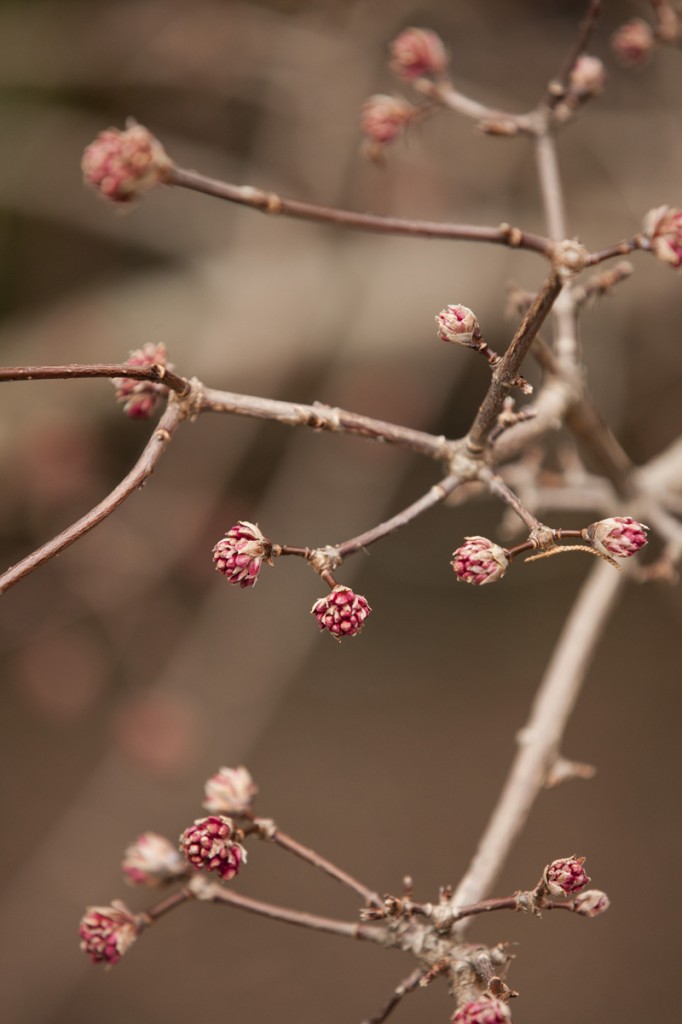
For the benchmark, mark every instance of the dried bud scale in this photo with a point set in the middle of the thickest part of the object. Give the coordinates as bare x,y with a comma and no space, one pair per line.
123,165
151,860
230,791
479,561
482,1011
342,613
208,843
106,933
663,228
620,536
591,903
565,876
417,52
141,397
240,554
457,324
633,42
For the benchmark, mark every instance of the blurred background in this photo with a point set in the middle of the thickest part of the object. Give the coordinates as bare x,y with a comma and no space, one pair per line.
132,671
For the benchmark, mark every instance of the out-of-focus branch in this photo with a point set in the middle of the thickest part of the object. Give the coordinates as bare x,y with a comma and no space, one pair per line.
157,374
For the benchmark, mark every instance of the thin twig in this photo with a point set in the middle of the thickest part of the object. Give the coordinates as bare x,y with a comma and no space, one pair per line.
409,984
312,857
585,30
157,373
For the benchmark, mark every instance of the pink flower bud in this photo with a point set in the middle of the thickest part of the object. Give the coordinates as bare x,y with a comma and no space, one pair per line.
479,561
620,536
663,226
107,933
457,324
208,844
141,397
123,165
341,613
588,76
591,903
565,876
151,860
239,555
230,791
482,1011
417,52
384,117
633,42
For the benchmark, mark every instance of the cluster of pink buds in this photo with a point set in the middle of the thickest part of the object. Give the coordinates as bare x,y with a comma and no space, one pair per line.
230,791
385,117
620,536
208,843
106,933
588,76
141,397
457,324
121,166
151,860
417,52
342,613
482,1011
663,227
565,876
633,42
240,554
479,561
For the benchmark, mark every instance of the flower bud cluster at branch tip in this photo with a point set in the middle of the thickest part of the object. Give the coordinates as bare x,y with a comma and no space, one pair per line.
565,876
121,166
417,52
663,226
342,613
591,903
141,397
151,860
482,1011
208,844
107,933
588,76
230,791
633,42
240,554
620,536
457,324
479,561
384,117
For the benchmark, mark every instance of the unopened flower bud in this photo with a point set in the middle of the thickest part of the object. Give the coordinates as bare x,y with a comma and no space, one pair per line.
230,791
208,844
663,226
588,76
482,1011
342,613
457,324
384,117
620,536
565,876
107,933
239,555
633,42
417,52
123,165
591,903
479,561
151,860
141,397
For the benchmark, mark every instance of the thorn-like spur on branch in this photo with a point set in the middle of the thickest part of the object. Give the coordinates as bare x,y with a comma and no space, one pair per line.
143,468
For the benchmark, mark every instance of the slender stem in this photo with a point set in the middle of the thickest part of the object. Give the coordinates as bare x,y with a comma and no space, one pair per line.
486,906
585,30
312,857
143,468
496,485
270,202
409,984
541,737
164,906
156,373
445,93
550,184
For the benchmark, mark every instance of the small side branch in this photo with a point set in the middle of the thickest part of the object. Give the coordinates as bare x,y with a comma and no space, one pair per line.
409,984
311,857
157,374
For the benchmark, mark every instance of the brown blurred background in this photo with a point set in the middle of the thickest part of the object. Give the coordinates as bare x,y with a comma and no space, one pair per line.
132,671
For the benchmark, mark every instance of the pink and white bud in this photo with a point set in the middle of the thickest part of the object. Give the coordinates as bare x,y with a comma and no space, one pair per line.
479,561
384,117
591,903
588,76
663,226
122,166
141,397
457,324
342,613
107,933
230,791
208,843
239,555
633,42
620,536
565,876
151,860
417,52
482,1011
